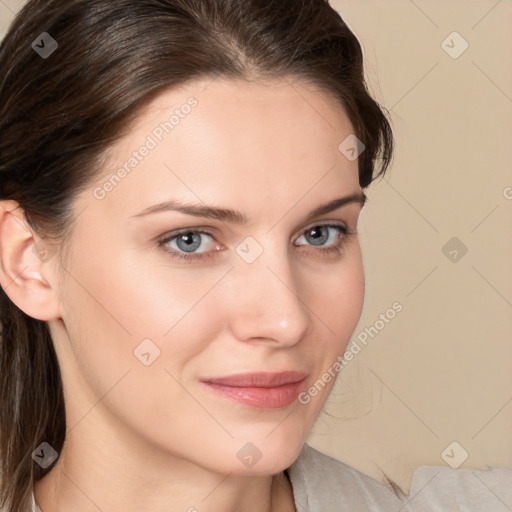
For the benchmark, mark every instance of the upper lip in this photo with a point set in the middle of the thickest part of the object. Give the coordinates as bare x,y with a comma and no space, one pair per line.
258,379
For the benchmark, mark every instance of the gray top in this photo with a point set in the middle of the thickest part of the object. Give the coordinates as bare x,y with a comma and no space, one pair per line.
324,484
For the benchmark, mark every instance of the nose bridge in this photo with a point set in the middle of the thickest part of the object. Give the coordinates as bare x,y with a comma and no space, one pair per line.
267,298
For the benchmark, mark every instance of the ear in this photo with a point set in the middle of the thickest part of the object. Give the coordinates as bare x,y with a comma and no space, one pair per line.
27,270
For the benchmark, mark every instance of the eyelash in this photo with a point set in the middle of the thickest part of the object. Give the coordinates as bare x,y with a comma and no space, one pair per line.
342,230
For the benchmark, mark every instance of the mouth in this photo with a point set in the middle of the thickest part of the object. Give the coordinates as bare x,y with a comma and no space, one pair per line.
259,390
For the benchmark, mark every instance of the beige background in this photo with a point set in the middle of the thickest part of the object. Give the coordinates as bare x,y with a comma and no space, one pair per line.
441,370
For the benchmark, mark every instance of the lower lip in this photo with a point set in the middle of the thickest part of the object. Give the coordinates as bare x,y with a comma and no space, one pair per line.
261,398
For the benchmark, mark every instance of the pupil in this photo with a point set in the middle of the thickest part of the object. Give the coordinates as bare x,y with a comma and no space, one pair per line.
192,241
318,237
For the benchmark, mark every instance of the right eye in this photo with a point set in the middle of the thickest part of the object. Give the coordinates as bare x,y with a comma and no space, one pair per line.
187,241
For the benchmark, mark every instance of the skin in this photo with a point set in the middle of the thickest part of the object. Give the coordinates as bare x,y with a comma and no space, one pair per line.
154,437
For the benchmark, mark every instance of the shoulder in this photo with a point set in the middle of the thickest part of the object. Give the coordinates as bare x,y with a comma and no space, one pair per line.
323,484
440,488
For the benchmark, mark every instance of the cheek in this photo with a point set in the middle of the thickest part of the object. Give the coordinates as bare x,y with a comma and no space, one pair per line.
110,308
336,301
337,296
114,305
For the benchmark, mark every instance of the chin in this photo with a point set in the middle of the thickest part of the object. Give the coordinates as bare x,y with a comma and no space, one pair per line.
263,456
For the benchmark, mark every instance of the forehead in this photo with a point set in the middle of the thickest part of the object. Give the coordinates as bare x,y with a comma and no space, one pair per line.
221,139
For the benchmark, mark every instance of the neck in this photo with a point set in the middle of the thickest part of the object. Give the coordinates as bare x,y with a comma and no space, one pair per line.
82,480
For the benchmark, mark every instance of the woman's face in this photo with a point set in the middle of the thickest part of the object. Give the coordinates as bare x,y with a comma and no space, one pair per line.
148,317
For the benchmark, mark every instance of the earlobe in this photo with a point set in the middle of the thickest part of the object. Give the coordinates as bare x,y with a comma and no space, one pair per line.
25,275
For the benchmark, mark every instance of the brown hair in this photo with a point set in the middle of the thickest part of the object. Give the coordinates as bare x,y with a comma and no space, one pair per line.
59,114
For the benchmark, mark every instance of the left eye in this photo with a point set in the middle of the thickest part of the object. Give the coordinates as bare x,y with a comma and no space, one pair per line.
318,235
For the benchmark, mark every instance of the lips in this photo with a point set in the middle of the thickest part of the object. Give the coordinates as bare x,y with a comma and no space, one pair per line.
261,390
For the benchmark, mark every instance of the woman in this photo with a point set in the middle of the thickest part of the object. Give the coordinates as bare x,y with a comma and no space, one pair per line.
181,182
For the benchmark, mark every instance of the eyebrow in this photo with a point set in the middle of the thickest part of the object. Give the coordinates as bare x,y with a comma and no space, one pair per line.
236,217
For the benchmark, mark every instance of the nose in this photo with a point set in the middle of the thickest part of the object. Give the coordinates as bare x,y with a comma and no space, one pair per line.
267,303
